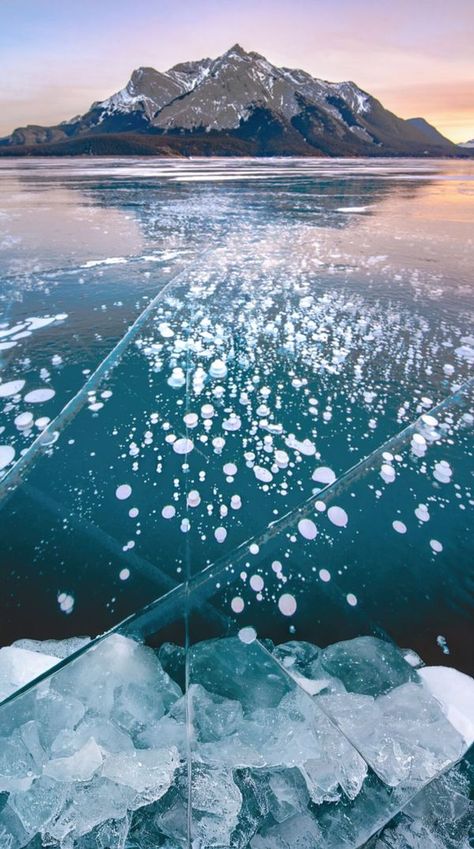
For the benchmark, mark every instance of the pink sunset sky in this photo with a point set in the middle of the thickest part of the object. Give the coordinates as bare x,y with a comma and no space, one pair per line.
416,56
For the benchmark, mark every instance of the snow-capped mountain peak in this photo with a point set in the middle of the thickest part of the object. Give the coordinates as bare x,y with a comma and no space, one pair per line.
241,94
222,92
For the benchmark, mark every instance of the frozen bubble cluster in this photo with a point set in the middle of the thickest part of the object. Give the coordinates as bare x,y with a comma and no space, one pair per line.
232,441
97,755
17,370
282,382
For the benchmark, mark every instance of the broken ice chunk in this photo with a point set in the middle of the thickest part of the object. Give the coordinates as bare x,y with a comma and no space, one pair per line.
303,662
367,665
88,805
173,659
328,761
97,676
29,733
239,671
297,655
56,648
12,832
111,834
168,731
439,817
17,767
79,766
256,804
268,795
270,768
289,793
106,734
402,734
19,666
216,802
213,716
149,772
215,805
55,713
300,831
39,804
280,727
138,707
232,752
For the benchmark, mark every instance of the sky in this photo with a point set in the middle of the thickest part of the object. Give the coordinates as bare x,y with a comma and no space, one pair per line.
416,56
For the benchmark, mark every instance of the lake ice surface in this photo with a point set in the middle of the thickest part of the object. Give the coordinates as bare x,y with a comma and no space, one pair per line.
193,356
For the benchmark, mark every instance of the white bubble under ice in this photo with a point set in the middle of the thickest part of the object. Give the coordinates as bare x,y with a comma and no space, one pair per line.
387,473
183,446
39,396
193,498
256,582
12,387
323,475
307,528
24,421
262,474
7,453
247,635
338,516
220,534
287,604
218,368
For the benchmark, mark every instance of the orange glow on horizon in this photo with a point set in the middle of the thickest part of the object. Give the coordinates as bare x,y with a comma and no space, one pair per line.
416,58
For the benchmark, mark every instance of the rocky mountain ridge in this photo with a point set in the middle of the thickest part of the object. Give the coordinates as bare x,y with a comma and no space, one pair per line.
236,104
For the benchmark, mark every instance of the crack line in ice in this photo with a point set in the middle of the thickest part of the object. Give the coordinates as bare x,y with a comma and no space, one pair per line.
306,508
198,588
170,603
202,585
352,743
187,636
72,408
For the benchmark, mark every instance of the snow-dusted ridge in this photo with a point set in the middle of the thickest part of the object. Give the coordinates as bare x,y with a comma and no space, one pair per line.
222,92
238,103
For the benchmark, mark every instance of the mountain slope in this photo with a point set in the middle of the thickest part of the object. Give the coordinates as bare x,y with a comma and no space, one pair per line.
430,133
236,104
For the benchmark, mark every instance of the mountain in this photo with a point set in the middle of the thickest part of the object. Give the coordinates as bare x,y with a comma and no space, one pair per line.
238,104
431,134
468,144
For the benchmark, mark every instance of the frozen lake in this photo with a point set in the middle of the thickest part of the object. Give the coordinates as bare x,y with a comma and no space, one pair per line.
237,407
293,317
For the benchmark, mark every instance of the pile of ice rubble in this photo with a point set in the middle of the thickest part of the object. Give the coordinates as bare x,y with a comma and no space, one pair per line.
287,747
